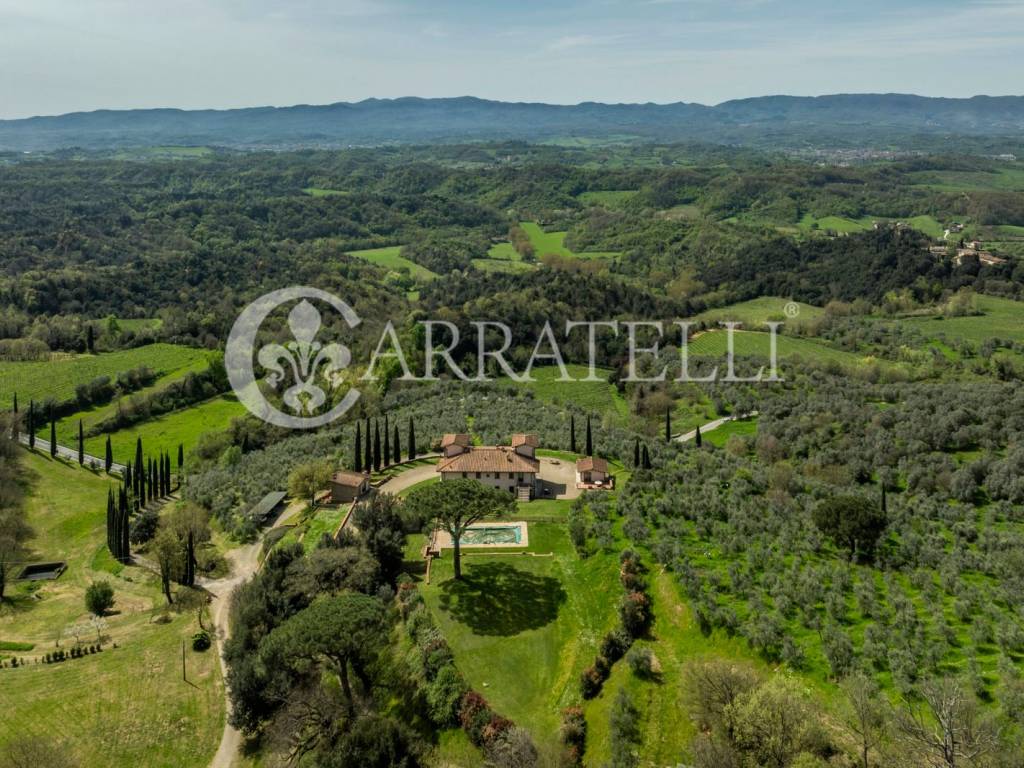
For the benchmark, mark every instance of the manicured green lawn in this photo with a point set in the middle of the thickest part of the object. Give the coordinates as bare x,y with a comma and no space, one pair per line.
57,379
166,432
524,628
391,258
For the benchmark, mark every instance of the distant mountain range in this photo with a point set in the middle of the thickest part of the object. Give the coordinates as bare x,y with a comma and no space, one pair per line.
782,121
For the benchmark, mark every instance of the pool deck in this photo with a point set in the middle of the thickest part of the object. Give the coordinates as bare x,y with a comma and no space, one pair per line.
442,540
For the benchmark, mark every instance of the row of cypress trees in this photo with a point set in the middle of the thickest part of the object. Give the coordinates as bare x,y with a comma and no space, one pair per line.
370,453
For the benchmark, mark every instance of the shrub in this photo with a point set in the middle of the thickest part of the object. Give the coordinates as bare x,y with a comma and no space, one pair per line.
444,695
634,612
512,748
573,734
99,597
590,682
643,662
615,644
201,641
474,715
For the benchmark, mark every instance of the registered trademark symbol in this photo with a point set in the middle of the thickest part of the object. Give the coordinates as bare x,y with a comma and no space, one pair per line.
792,309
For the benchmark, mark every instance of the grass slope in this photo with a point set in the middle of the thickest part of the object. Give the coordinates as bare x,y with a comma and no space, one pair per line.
754,313
57,379
524,628
161,720
1000,318
391,258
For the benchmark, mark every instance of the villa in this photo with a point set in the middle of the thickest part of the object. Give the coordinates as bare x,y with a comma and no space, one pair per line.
348,486
512,467
592,472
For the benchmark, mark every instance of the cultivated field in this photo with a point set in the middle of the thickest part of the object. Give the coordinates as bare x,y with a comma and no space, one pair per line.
56,379
391,258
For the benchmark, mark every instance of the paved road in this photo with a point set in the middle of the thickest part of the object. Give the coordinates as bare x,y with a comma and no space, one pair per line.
245,561
70,454
712,425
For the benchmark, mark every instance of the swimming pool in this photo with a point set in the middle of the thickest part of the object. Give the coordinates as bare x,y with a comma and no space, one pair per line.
492,534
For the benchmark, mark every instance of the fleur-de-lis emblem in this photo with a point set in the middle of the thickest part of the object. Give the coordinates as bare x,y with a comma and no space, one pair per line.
305,356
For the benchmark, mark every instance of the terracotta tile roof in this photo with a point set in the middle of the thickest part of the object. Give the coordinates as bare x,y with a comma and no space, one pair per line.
347,478
455,439
489,459
525,439
591,464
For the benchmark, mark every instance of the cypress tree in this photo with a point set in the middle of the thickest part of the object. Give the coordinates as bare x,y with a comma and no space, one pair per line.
31,425
647,458
126,550
127,477
167,471
181,459
137,485
572,433
160,476
412,439
53,436
376,446
668,425
81,444
190,560
108,459
110,524
387,441
358,452
367,448
590,439
697,437
885,503
395,446
636,453
90,339
152,480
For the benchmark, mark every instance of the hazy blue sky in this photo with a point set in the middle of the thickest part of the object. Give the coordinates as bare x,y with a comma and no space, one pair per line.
66,55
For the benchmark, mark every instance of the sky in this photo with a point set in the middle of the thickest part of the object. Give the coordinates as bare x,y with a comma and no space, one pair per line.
59,56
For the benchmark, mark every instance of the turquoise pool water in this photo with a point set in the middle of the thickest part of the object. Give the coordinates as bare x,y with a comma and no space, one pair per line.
492,534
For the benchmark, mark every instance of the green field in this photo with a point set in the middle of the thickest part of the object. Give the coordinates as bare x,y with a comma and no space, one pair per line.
591,396
56,379
743,428
835,224
67,428
554,242
524,628
609,198
756,312
715,343
165,433
1000,318
391,258
65,505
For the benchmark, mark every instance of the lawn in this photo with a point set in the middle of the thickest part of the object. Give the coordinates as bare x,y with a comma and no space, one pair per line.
523,628
165,433
592,396
56,379
65,505
743,427
391,258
